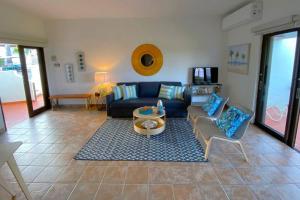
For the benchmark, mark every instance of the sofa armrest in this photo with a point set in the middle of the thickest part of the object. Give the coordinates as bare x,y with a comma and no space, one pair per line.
187,97
109,99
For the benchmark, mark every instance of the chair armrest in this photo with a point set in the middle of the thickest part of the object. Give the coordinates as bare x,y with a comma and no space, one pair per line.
187,97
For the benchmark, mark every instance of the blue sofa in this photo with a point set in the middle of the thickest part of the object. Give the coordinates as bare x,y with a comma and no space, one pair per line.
147,96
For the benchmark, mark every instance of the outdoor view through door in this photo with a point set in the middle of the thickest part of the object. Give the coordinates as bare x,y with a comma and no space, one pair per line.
279,80
277,83
23,86
34,78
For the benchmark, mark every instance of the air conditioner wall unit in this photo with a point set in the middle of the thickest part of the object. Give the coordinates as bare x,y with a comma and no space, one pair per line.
249,13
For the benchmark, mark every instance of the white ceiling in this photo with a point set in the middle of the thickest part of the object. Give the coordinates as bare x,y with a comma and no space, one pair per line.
79,9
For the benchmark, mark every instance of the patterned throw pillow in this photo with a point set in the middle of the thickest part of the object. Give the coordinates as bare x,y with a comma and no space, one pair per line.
231,120
166,91
215,105
129,92
212,104
178,92
117,90
206,106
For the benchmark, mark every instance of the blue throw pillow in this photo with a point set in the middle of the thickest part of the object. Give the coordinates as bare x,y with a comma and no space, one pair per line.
231,120
166,91
129,92
117,90
178,92
215,105
206,106
212,104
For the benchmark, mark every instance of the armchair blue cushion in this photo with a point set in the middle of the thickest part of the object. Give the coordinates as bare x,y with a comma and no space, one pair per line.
231,120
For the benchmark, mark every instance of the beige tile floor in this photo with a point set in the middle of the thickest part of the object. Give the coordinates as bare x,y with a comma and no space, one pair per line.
53,138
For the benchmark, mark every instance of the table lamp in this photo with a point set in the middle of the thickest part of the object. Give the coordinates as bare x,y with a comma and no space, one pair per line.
102,81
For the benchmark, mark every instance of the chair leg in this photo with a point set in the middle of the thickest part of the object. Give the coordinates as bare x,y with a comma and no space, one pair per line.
207,149
243,151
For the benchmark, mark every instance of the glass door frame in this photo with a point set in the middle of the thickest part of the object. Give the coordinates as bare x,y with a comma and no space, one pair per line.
43,75
289,136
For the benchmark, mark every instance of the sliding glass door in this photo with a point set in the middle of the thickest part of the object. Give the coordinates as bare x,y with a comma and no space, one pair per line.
277,105
35,79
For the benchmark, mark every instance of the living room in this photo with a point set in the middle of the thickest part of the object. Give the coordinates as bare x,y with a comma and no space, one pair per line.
129,83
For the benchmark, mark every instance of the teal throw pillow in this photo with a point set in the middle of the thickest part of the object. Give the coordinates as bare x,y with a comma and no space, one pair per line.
117,90
166,91
206,106
215,104
129,92
178,92
231,120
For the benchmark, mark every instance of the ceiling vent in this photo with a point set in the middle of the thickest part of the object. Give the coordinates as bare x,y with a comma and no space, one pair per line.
249,13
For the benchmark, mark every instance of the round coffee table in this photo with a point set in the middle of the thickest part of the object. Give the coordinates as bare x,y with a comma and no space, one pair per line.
139,118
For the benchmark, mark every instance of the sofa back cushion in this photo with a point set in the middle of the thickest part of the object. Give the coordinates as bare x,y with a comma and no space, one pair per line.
149,89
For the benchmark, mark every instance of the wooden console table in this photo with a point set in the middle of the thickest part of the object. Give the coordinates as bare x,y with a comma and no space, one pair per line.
55,99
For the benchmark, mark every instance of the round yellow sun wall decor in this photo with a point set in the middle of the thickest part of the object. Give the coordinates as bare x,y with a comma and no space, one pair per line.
147,59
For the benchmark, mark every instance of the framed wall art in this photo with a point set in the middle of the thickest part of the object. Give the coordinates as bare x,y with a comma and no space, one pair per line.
238,57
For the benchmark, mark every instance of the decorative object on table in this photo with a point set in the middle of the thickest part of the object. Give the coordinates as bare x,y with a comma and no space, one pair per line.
117,140
103,87
146,110
69,73
147,59
80,61
238,58
160,107
149,124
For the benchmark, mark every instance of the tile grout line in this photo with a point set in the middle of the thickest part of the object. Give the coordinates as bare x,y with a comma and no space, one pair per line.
77,182
100,183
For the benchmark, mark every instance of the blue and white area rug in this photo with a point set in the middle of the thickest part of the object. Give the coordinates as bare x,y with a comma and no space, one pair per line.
117,140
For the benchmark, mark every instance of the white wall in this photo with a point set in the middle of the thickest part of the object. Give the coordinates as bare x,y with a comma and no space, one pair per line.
109,43
16,25
242,89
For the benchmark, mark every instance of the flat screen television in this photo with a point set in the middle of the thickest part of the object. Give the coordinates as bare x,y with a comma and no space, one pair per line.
205,75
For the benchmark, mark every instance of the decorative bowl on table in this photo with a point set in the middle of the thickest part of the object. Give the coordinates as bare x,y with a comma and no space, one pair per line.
149,124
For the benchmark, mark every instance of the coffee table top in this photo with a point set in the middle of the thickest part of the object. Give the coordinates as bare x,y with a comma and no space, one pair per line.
137,114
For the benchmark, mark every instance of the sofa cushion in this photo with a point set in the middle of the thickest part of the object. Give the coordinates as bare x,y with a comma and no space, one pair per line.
149,89
129,92
131,83
140,102
174,103
166,91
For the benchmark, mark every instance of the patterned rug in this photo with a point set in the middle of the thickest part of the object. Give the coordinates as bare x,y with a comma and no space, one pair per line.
116,140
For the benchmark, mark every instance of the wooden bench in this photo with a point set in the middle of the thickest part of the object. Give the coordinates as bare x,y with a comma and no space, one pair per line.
55,99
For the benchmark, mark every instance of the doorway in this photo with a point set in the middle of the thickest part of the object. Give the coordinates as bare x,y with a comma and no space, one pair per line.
277,109
23,86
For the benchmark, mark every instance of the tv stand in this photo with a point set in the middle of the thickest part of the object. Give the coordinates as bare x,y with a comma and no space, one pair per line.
200,93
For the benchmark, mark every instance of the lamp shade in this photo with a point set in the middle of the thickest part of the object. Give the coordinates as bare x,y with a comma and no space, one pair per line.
101,77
